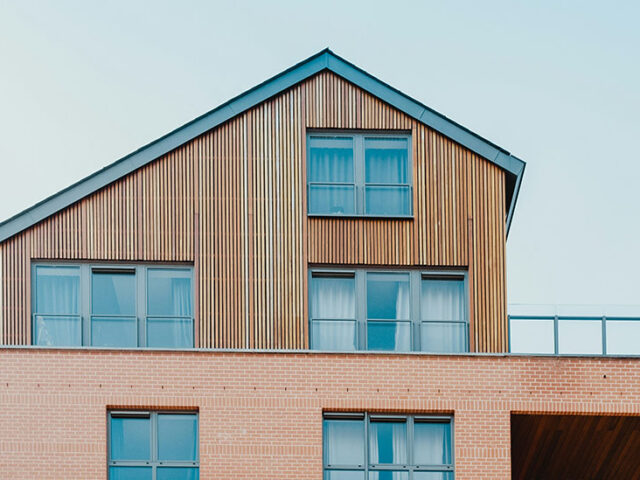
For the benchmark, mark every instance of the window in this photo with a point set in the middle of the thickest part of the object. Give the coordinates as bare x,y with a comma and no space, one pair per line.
359,174
365,446
153,446
383,310
113,306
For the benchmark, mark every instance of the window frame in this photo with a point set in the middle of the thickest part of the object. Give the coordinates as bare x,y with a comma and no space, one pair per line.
153,462
416,276
408,466
86,314
359,181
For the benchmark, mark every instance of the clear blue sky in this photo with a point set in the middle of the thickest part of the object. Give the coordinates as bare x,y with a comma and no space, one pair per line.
557,83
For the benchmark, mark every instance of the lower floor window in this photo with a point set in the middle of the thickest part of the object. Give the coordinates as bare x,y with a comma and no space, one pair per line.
153,445
364,446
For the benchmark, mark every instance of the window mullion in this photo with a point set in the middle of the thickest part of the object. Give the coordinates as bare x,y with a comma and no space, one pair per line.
358,163
141,305
366,446
361,309
85,302
415,298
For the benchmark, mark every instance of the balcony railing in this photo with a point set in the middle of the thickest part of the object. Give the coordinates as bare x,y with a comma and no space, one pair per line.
574,330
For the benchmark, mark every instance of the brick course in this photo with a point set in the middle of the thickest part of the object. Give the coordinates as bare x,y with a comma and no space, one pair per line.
261,412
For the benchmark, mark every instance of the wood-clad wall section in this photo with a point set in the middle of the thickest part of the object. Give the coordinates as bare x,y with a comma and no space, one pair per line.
232,202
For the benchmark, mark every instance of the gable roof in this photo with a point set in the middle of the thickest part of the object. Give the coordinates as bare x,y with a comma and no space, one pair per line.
323,60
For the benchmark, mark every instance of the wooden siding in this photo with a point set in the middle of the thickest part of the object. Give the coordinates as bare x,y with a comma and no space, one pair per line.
233,203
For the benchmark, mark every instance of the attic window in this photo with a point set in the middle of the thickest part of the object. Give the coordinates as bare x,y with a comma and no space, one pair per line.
359,174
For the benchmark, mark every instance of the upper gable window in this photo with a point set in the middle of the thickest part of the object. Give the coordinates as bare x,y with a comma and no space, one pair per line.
359,174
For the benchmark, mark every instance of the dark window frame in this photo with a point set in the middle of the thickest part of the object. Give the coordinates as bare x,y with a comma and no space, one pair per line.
408,466
153,462
416,276
359,181
86,270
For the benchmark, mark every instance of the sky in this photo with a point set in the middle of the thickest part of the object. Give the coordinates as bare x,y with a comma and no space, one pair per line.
556,83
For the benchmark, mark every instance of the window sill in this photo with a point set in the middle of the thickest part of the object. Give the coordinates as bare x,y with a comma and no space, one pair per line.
361,217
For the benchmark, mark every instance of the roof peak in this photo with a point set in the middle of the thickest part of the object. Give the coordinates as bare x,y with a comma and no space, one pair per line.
325,59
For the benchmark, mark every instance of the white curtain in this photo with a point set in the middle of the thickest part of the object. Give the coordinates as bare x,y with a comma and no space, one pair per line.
442,304
57,291
386,160
442,300
432,444
345,442
333,313
182,330
387,443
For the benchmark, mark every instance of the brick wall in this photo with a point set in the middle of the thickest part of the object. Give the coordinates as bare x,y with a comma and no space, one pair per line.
260,413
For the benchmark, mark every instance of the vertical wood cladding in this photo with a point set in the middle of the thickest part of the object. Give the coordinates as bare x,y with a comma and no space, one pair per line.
233,203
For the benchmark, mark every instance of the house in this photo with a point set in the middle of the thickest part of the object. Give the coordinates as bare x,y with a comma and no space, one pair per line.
306,282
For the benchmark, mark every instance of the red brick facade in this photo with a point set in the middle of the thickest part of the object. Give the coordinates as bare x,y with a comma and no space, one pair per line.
261,413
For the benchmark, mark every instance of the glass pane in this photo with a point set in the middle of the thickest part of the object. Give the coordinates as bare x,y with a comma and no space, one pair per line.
389,336
57,290
169,292
432,443
332,199
344,475
432,475
177,473
388,296
130,438
330,159
169,333
388,200
177,437
344,442
333,335
333,298
113,293
386,160
580,337
58,331
114,332
532,336
388,475
442,300
443,337
623,337
129,473
388,443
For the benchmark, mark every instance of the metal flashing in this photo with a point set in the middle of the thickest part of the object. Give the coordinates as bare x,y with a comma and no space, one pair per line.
323,60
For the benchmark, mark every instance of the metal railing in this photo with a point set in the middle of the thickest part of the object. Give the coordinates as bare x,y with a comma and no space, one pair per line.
574,330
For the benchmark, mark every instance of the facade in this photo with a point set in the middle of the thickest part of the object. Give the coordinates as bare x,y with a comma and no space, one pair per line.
307,282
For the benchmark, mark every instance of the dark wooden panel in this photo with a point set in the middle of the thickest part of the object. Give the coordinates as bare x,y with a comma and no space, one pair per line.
575,447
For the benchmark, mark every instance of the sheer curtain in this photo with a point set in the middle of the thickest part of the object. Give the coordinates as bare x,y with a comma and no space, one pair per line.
333,313
403,330
331,161
181,301
442,304
169,309
387,443
345,442
432,444
386,162
57,294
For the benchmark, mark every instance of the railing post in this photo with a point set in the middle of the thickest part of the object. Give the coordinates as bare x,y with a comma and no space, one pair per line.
604,335
555,335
